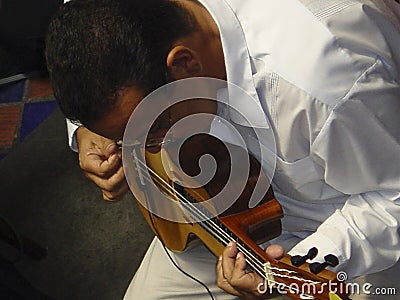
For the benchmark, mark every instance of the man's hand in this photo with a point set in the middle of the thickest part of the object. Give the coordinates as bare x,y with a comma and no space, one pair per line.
100,160
232,276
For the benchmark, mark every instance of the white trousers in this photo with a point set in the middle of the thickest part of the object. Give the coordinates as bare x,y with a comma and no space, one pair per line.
158,278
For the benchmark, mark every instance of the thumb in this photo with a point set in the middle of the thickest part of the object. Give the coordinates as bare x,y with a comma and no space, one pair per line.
110,148
275,251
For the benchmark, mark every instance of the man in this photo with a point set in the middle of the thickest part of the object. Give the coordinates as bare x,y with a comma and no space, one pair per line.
326,75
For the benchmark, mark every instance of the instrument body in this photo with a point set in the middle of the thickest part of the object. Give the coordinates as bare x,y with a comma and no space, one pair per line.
247,227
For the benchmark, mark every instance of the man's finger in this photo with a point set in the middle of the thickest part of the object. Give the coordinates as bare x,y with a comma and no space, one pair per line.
240,278
119,187
111,148
222,282
116,195
228,260
100,166
110,184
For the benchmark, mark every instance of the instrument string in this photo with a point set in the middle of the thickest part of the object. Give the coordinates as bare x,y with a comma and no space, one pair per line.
163,244
254,262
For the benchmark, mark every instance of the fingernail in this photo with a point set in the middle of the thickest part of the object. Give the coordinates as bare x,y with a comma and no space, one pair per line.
109,146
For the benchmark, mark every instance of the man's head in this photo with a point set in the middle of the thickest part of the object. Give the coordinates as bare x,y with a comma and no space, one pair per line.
98,49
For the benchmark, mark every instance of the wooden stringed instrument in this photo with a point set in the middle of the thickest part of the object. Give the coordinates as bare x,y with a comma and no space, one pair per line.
247,227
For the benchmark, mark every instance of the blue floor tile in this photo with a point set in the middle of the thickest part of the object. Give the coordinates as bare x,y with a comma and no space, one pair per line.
13,92
34,114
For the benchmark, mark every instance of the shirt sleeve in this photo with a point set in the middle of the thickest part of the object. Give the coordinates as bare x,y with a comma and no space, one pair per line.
363,234
359,148
71,129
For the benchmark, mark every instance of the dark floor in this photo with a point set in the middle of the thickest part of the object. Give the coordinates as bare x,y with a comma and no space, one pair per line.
94,247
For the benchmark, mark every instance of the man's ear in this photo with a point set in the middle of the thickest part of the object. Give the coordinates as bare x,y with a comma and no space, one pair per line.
183,62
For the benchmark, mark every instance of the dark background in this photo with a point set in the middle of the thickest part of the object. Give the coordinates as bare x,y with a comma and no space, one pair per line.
23,25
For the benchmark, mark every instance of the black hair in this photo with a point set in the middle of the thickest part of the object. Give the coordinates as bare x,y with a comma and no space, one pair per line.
95,48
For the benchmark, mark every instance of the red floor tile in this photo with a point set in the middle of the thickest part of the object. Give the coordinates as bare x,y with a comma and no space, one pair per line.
39,87
9,120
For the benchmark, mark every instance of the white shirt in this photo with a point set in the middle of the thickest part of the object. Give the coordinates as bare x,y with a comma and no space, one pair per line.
326,75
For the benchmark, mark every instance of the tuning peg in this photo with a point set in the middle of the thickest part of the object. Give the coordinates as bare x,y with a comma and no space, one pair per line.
298,260
330,261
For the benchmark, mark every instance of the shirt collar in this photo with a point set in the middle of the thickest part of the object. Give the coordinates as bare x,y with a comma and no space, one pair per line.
238,65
